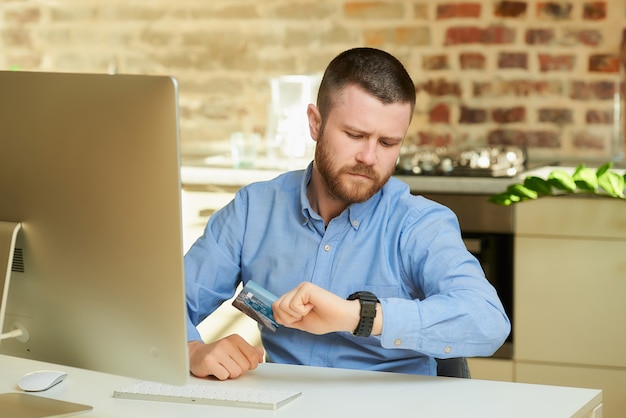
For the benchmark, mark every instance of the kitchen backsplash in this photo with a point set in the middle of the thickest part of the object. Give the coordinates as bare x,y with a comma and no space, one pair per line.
544,75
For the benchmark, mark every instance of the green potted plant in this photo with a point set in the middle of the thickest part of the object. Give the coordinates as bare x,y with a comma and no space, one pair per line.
602,182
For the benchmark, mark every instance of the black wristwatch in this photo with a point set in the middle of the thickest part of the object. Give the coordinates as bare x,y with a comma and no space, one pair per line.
368,302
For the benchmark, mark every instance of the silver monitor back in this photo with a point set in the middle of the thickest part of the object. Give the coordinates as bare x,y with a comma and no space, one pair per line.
90,168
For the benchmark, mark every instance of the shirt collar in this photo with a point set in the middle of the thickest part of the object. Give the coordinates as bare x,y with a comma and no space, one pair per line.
356,211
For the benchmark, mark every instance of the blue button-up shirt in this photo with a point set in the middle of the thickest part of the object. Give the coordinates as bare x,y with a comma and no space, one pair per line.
406,249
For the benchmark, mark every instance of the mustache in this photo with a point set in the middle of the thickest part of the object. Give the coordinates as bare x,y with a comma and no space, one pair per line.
362,170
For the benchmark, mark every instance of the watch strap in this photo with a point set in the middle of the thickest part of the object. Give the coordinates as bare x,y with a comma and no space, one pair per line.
368,303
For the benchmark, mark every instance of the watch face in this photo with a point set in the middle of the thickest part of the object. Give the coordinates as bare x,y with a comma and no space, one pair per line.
362,295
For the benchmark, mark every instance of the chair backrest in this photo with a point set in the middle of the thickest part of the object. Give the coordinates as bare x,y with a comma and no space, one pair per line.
453,367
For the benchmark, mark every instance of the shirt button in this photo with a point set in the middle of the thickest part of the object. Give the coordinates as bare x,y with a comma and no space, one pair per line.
327,248
355,223
397,342
447,349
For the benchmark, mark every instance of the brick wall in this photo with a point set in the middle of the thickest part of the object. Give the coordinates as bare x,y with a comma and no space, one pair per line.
535,73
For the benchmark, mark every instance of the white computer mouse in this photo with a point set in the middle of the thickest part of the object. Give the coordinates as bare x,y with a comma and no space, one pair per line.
41,380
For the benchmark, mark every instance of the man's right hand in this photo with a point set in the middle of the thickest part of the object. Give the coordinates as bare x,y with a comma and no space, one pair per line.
227,358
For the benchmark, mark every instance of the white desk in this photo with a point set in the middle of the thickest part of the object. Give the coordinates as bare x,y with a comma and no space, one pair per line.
328,393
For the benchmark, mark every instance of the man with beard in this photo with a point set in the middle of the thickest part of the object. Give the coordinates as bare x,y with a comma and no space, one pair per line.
370,276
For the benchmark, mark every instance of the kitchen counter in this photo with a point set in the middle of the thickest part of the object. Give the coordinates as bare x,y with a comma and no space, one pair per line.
461,185
195,176
217,171
226,177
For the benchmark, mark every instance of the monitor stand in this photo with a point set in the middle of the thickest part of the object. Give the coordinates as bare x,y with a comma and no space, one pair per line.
24,405
8,236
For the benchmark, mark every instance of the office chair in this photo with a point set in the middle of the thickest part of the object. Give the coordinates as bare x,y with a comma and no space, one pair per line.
453,367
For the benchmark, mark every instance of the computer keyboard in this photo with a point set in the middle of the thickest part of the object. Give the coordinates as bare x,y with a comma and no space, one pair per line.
208,394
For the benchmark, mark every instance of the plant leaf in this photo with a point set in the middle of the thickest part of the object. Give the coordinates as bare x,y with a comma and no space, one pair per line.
503,199
541,186
585,178
602,182
522,191
604,168
612,183
562,180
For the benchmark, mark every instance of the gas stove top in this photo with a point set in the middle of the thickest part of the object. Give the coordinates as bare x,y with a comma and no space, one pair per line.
505,161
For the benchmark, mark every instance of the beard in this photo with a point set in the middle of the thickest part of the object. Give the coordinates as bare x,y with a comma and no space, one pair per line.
339,181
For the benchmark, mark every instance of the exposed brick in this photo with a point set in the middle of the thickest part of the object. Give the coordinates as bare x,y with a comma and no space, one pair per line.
20,38
441,88
513,60
226,11
588,140
373,10
458,10
472,116
155,37
420,11
554,10
539,36
511,115
556,62
80,62
23,16
79,12
329,36
556,116
60,36
589,37
440,113
594,10
223,52
594,90
128,11
435,62
297,37
376,37
472,61
304,10
599,117
27,60
536,139
220,85
497,34
517,88
493,35
510,8
463,35
433,139
602,63
410,36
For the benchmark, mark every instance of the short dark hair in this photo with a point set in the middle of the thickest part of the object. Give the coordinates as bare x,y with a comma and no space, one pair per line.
375,71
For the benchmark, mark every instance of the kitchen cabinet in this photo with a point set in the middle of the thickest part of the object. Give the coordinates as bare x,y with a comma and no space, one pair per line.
570,285
492,369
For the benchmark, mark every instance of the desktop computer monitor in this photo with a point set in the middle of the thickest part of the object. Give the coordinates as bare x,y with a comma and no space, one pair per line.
90,217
